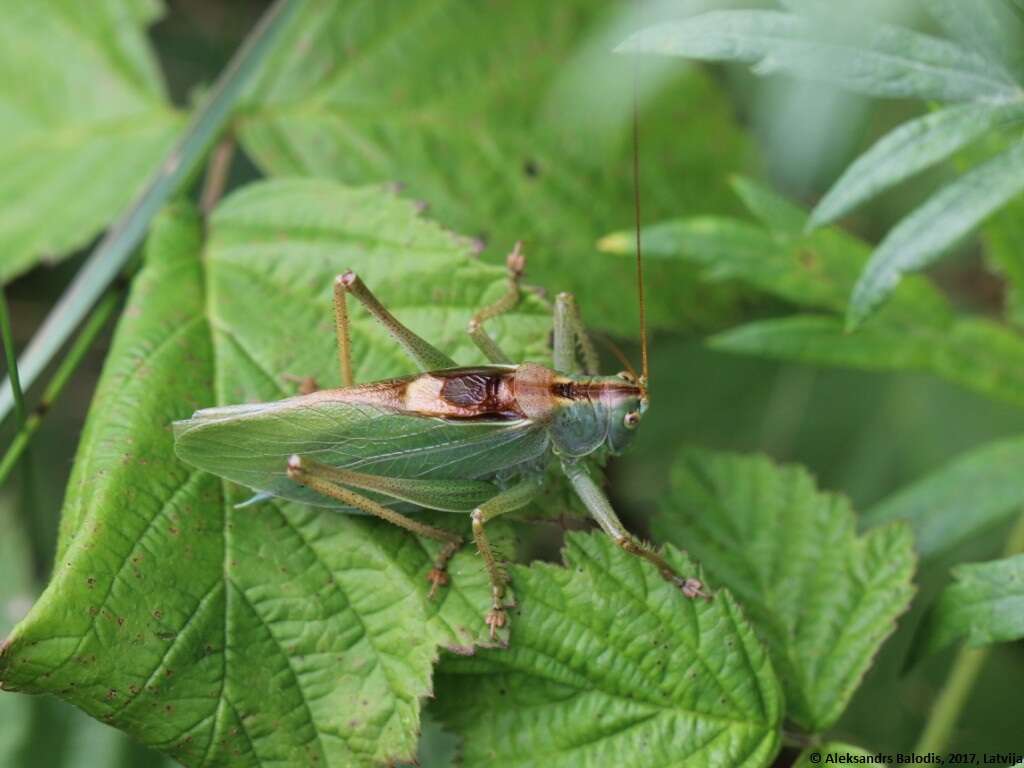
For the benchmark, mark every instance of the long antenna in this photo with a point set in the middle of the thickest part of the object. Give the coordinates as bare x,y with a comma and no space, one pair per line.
645,379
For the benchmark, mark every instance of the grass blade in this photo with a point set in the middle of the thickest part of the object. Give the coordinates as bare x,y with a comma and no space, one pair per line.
907,150
125,235
880,60
927,232
93,326
7,337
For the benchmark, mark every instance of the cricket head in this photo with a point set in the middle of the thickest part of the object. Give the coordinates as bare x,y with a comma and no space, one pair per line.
625,400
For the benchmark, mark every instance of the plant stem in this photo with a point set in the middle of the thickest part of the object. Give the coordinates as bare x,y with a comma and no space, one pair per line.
952,698
127,233
7,337
79,348
27,504
962,675
216,175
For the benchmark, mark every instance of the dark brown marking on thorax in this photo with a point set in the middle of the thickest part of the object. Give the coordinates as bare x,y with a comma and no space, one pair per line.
591,390
480,393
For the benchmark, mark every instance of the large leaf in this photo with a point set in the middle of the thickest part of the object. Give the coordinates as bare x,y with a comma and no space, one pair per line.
610,665
822,598
512,122
945,508
83,120
985,604
915,145
926,233
274,633
873,59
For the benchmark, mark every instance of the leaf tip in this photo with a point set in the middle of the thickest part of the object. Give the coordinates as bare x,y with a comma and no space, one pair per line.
616,242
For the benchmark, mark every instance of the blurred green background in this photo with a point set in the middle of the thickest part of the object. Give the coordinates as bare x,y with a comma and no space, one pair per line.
863,434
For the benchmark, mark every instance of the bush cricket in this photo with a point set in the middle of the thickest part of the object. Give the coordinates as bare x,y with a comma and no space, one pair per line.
462,439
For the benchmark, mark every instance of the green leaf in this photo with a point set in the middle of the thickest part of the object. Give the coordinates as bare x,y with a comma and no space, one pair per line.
610,665
912,147
927,232
816,269
823,599
835,750
504,142
989,27
984,605
273,633
83,119
976,354
1004,237
945,508
876,59
776,213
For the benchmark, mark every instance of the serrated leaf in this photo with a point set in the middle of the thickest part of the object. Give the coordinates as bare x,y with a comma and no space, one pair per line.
875,60
539,151
832,752
977,354
822,598
988,27
927,232
912,147
274,633
83,120
610,665
945,509
984,605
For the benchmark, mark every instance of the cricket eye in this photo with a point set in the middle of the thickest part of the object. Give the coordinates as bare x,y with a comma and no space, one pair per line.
631,419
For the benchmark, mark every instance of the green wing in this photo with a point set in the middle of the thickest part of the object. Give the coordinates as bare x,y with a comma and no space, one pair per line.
250,445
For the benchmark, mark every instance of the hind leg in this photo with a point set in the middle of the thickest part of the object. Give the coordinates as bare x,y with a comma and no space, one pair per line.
322,479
